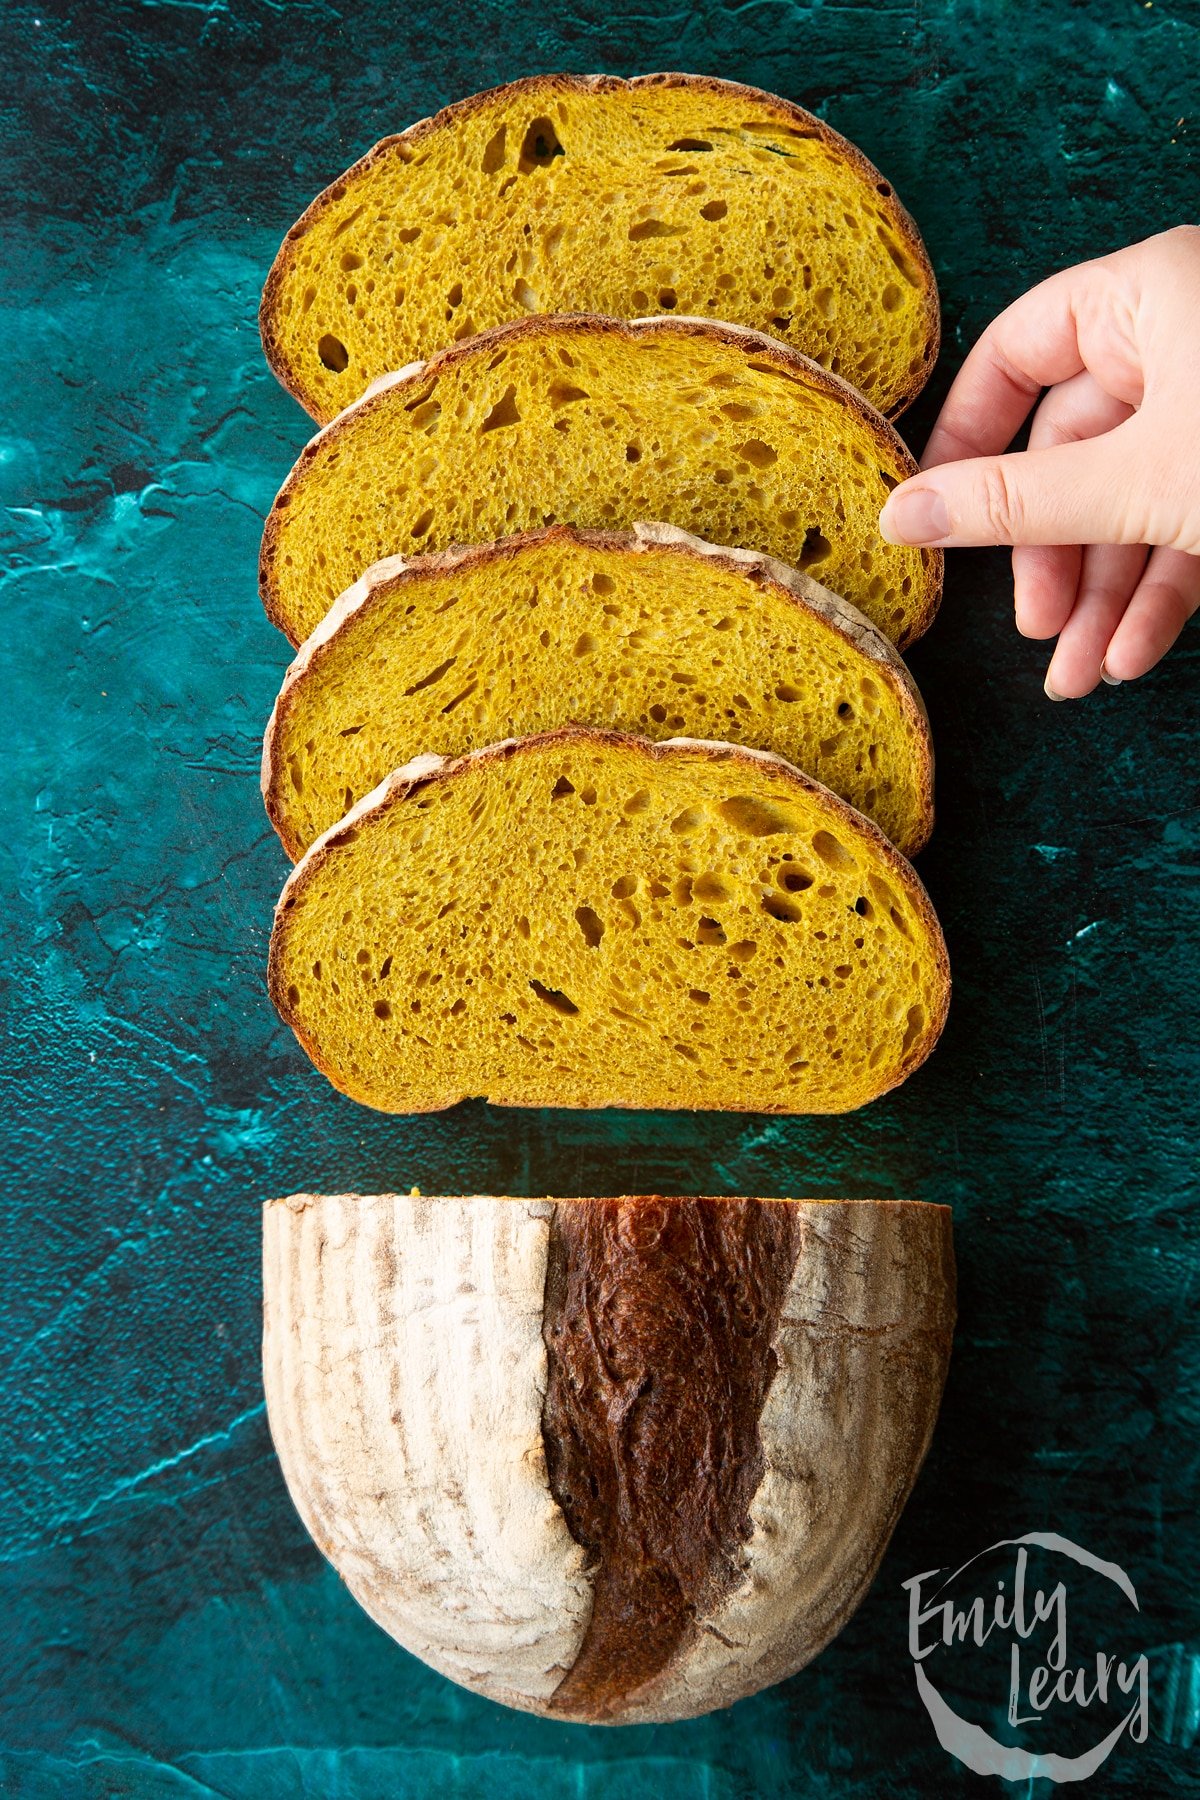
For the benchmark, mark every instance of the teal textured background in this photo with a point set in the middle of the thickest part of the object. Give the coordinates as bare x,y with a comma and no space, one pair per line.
168,1629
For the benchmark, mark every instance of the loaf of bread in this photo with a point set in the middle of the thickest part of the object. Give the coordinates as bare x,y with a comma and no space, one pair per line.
588,919
568,193
609,1460
652,632
591,421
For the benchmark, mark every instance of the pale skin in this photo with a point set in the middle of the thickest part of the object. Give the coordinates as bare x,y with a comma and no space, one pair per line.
1103,508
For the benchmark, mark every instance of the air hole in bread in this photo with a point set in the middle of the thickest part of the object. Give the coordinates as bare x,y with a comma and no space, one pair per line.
815,549
710,931
654,228
561,393
591,925
505,412
914,1027
777,908
434,676
561,1002
333,353
758,454
752,817
539,147
714,210
493,155
898,256
832,852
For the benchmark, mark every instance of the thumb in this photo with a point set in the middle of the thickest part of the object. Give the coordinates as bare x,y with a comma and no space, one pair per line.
1089,492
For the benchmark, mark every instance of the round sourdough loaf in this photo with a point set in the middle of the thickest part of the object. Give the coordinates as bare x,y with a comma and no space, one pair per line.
584,193
609,1460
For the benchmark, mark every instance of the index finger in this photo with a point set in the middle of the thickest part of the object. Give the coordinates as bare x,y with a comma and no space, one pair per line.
1031,345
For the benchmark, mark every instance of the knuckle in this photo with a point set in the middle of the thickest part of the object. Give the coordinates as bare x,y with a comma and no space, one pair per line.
1000,504
1185,238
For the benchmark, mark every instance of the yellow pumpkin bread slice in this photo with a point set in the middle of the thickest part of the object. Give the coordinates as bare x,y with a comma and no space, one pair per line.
570,193
588,919
650,631
598,422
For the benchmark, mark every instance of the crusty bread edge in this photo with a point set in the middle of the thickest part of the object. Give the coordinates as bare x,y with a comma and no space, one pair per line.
402,143
795,587
301,1201
429,767
740,337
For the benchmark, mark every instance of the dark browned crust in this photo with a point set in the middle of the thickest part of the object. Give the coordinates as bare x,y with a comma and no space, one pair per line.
740,337
401,787
401,145
454,561
659,1321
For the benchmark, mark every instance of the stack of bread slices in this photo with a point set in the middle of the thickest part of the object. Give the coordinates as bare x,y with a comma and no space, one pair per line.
597,756
601,770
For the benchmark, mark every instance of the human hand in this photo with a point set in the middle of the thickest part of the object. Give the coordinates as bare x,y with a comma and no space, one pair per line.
1103,508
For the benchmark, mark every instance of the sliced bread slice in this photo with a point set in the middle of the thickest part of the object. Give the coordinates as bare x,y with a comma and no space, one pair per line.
583,193
652,632
587,919
597,422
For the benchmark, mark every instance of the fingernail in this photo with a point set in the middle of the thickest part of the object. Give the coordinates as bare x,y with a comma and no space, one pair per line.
1052,693
915,515
1107,679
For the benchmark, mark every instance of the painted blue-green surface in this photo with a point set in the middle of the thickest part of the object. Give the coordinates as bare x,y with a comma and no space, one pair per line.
167,1627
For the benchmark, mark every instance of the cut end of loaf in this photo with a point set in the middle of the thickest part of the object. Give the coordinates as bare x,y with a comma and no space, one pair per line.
661,1443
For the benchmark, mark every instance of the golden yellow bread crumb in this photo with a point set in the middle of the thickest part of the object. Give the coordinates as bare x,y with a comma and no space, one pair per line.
599,422
650,631
569,193
588,919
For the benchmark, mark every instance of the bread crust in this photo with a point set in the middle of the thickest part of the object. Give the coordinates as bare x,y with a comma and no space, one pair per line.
797,589
430,767
407,1345
717,331
401,144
